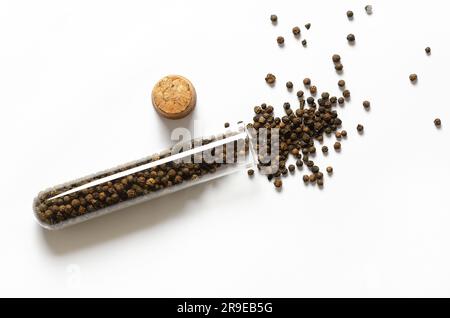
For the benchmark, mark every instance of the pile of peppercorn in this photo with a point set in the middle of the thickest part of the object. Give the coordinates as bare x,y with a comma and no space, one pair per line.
298,129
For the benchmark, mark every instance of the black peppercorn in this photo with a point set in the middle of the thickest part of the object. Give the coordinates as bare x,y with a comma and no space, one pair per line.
341,83
270,79
251,172
413,78
366,104
304,43
307,26
351,38
306,81
291,168
330,170
325,149
131,193
339,67
296,31
289,85
341,100
350,14
336,58
273,18
346,94
299,163
428,50
337,145
227,125
280,40
313,90
360,128
300,94
76,203
437,122
305,178
278,183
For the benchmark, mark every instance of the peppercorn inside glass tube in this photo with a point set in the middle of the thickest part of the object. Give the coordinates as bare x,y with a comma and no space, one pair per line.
184,165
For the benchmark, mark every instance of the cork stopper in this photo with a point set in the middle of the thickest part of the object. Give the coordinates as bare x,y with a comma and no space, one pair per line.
174,97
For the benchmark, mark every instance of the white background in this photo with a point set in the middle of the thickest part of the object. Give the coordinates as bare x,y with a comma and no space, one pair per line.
75,83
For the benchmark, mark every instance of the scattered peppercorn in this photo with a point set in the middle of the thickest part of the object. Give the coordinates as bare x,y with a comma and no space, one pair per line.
360,128
291,168
349,14
437,122
336,58
227,125
344,133
339,67
306,81
413,78
274,18
341,83
330,170
304,43
346,94
325,149
313,90
366,104
251,172
278,183
341,100
337,145
300,94
280,40
351,38
299,163
289,85
296,31
428,50
270,79
368,9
